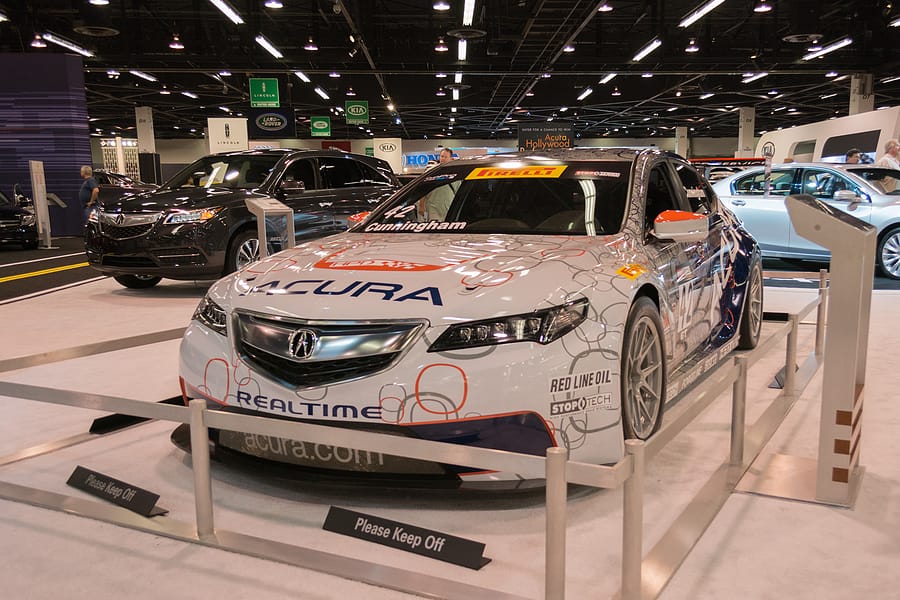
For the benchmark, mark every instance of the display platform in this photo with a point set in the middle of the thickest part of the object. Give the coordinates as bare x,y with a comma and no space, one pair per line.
757,547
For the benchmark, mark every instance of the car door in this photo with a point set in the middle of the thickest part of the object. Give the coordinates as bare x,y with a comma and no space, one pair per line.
356,187
311,202
762,209
831,187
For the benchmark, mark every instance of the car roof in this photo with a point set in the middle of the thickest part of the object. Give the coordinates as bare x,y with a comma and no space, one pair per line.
624,154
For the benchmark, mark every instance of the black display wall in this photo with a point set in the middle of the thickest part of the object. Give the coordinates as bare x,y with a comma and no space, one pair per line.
43,116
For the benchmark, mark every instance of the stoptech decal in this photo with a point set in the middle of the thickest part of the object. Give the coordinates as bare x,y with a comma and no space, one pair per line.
631,271
393,292
583,404
518,172
307,409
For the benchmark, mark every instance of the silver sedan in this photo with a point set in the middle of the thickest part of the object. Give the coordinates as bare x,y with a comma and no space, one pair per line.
869,193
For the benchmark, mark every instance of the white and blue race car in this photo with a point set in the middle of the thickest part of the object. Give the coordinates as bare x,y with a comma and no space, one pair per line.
515,302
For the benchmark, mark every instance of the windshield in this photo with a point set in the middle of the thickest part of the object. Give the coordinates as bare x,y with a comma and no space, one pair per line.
559,199
883,180
234,172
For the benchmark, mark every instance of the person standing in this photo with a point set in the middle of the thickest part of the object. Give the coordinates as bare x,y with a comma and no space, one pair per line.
89,191
436,203
889,160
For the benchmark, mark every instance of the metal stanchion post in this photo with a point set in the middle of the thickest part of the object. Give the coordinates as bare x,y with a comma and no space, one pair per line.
790,359
200,464
633,522
738,412
821,312
555,557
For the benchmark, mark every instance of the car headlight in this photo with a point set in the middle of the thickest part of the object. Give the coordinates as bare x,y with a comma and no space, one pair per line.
94,216
192,216
541,326
211,315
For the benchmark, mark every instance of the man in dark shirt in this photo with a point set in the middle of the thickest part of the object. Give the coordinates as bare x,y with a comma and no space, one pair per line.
89,191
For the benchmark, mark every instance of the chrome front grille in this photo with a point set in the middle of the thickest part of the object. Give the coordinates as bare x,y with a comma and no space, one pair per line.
121,226
301,353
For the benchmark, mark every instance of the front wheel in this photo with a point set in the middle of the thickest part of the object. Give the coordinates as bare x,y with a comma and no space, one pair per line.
752,312
244,250
889,253
137,282
643,371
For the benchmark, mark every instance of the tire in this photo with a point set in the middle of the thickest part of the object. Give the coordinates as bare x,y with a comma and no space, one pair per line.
752,311
643,371
243,250
889,254
137,282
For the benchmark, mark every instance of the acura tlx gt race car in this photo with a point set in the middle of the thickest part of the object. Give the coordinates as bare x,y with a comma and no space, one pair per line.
514,302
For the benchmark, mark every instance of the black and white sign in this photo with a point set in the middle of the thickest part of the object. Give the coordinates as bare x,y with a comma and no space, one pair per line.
118,492
417,540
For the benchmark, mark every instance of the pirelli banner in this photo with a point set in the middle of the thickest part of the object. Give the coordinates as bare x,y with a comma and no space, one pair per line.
545,136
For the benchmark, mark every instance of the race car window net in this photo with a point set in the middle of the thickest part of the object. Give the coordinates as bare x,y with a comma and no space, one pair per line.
541,326
577,199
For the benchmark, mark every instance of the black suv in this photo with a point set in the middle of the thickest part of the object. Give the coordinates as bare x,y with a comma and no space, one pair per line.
197,225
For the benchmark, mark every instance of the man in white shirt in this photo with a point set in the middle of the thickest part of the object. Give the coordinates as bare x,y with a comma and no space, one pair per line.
889,160
435,204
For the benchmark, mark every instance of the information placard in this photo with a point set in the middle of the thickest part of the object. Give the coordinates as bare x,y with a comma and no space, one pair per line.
116,491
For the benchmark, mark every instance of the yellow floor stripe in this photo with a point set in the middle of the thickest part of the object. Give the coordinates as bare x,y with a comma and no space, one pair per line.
43,272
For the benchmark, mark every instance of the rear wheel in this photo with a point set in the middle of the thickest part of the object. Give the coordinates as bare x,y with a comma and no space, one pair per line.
752,312
243,251
137,282
643,371
889,253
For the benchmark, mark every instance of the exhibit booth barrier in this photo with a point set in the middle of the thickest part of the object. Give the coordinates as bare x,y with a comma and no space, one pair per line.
641,576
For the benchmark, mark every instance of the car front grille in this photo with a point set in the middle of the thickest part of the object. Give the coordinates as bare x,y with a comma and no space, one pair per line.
176,257
126,261
122,226
338,351
123,233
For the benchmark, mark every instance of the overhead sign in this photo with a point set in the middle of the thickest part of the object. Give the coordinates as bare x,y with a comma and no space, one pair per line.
264,92
356,112
544,136
227,134
320,126
271,123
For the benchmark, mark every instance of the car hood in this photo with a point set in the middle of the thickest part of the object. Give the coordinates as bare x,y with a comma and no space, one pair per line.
443,278
159,200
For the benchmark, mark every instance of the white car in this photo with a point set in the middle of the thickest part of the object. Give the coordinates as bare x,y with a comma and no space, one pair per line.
559,302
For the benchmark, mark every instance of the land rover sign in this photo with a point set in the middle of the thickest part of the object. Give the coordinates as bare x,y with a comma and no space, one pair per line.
320,126
271,122
356,112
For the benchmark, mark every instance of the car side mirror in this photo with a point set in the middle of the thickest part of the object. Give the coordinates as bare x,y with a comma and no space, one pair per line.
291,186
846,196
680,226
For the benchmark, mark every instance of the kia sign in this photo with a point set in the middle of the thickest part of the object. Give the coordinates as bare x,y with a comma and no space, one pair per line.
272,123
389,149
356,112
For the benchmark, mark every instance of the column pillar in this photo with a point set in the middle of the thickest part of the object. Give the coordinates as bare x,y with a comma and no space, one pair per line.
746,127
861,97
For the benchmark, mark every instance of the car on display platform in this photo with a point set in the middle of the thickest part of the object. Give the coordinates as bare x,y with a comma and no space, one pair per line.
115,185
197,224
17,221
556,299
867,192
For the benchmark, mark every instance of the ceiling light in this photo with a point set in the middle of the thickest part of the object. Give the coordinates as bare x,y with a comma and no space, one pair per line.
748,77
529,93
615,92
334,75
455,93
310,45
99,2
698,13
322,93
441,5
773,92
390,106
164,91
457,77
707,95
176,44
647,75
762,7
568,48
55,39
225,109
468,12
113,74
440,92
672,109
37,42
692,46
585,93
352,52
189,95
302,76
228,11
829,48
608,77
827,96
3,17
461,50
895,22
831,74
678,93
143,75
350,92
604,7
440,46
891,79
440,75
224,73
650,47
274,4
546,75
262,41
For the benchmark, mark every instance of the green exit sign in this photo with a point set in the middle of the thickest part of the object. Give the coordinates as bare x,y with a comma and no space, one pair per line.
264,92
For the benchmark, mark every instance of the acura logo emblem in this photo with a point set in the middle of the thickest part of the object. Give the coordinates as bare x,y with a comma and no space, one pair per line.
302,343
120,218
